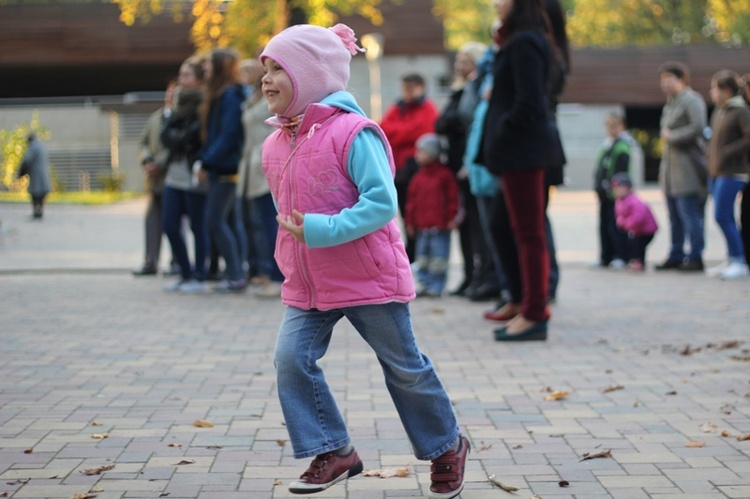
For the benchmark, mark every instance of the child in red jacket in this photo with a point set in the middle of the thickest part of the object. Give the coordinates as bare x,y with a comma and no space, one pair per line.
634,217
431,211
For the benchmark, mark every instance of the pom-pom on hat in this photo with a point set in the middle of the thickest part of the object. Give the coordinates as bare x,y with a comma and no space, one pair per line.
316,60
430,143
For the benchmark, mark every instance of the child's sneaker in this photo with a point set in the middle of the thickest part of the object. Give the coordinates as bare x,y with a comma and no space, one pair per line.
735,270
448,471
175,286
227,286
326,470
192,286
636,266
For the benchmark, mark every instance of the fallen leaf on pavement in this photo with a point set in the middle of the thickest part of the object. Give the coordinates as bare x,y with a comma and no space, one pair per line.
742,438
278,482
5,494
708,428
563,483
19,482
174,445
100,436
613,388
97,471
484,447
281,442
557,395
389,472
693,444
95,423
28,451
724,433
202,423
742,358
587,456
185,461
505,487
83,495
518,446
688,350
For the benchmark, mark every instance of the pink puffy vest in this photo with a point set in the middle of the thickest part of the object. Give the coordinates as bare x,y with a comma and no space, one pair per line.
310,174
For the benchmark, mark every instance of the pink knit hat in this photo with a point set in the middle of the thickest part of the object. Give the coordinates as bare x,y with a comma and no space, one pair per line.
316,60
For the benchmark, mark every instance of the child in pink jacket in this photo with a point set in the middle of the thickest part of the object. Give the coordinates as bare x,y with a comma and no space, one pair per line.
633,217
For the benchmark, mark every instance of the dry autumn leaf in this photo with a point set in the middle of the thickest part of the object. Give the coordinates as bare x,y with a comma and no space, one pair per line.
742,438
174,445
185,461
96,423
518,446
557,395
401,472
587,456
100,436
504,486
484,447
83,495
278,482
709,428
202,423
563,483
693,444
98,470
28,451
724,433
613,388
281,442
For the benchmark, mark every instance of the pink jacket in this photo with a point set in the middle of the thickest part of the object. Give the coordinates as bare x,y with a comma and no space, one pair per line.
310,174
634,215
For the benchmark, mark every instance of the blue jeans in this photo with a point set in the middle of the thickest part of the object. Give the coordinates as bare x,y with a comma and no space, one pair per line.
175,204
265,228
686,221
433,250
312,418
220,204
725,191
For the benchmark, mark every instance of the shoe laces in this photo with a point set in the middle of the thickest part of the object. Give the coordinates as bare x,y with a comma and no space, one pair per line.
317,466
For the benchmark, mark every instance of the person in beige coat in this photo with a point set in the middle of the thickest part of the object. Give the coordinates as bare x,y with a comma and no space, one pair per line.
683,175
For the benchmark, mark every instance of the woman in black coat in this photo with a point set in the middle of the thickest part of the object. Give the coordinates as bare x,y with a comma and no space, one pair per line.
519,134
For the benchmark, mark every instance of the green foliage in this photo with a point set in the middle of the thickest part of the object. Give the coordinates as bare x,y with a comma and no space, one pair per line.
113,181
13,145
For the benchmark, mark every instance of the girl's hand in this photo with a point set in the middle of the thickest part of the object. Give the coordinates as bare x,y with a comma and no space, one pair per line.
293,224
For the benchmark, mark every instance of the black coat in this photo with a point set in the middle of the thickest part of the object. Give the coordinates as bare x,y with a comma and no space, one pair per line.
519,132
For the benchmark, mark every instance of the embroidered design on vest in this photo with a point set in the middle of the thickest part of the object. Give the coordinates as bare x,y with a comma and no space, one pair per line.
323,182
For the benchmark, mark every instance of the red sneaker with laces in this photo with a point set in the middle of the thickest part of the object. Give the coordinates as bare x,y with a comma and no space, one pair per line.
326,470
448,471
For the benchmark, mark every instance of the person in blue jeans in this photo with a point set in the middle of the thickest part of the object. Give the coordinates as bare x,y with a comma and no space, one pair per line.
683,174
339,246
182,196
431,211
223,138
729,166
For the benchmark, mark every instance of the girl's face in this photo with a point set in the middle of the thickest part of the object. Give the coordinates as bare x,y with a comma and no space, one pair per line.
620,191
503,8
463,66
186,77
719,95
277,86
208,68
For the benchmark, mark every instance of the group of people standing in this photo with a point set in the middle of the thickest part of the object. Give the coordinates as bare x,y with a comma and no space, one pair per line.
698,161
500,141
201,154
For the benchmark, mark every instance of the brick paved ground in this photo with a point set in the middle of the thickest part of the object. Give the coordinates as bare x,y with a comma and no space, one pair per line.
81,341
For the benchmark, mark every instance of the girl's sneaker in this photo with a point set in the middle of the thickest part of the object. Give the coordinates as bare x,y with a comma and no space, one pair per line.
326,470
192,286
448,471
228,286
175,286
636,266
735,270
